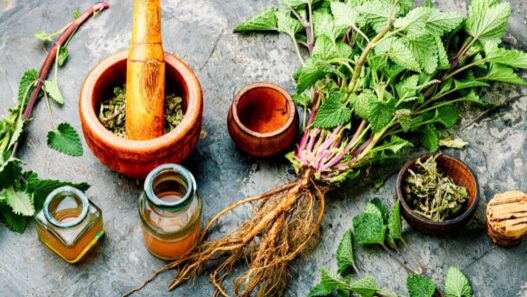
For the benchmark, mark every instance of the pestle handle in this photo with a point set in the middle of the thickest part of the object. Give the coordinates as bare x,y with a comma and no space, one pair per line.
145,73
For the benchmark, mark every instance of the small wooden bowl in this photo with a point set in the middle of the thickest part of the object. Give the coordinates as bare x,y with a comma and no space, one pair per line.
462,175
263,120
136,158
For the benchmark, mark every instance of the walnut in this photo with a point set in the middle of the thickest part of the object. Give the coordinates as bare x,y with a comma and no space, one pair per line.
507,218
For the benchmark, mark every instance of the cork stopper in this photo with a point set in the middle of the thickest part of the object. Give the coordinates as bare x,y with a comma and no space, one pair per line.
507,218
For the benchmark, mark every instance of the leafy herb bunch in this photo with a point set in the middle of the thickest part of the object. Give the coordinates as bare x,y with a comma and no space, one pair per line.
23,193
377,225
378,72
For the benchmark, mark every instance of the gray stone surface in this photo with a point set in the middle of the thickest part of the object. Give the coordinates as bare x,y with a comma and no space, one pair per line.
199,31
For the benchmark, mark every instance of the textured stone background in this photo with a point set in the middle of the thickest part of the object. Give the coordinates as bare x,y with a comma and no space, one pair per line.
199,31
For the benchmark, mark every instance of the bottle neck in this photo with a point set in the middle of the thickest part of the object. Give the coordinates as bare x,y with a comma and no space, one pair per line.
66,207
169,189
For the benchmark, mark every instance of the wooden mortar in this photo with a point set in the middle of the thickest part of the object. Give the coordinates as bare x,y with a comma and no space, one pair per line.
145,73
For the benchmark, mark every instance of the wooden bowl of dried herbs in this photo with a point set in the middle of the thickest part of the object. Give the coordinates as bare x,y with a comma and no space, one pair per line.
438,193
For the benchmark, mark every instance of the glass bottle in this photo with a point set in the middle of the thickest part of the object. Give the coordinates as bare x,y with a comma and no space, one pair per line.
69,223
170,211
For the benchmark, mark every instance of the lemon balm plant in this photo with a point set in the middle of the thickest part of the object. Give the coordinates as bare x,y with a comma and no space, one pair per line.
379,73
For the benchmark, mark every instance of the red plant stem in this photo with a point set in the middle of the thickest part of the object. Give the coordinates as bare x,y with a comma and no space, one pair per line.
50,58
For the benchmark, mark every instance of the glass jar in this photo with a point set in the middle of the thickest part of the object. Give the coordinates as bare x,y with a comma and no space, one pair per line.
69,224
170,211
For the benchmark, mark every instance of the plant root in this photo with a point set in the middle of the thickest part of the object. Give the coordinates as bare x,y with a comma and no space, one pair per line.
281,228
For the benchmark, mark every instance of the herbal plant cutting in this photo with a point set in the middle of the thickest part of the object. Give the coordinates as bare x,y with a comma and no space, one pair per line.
22,193
379,75
378,225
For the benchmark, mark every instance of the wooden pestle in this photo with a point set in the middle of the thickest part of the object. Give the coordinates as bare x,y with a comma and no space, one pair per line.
145,73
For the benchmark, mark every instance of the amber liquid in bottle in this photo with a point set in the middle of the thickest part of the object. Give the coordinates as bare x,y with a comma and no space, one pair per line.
165,247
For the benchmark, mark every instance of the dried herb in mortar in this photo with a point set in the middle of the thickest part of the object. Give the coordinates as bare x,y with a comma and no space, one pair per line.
112,112
433,194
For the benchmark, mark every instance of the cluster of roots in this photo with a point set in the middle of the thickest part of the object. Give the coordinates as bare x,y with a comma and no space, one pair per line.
282,227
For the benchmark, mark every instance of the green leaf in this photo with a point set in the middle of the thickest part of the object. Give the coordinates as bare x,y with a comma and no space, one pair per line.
345,15
502,73
456,284
331,281
512,58
63,56
332,112
425,51
323,48
382,207
20,202
10,170
365,287
399,52
40,188
414,22
440,22
377,113
447,115
455,143
43,36
374,210
65,140
408,87
312,70
429,138
420,286
15,223
26,81
466,84
345,258
442,56
302,100
320,290
17,131
76,14
376,13
395,228
487,22
294,3
288,25
52,88
264,21
369,229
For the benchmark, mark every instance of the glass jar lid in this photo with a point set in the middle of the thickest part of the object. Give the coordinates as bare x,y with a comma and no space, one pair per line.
166,178
63,199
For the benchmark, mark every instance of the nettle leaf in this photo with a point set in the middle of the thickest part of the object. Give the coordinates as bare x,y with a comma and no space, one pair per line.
331,281
376,112
405,6
420,286
513,58
16,223
369,229
320,290
333,112
65,140
381,206
442,56
447,115
487,23
325,26
324,48
399,52
408,87
395,228
373,209
429,137
440,22
9,171
345,258
26,81
376,13
498,72
425,51
344,13
365,287
456,284
302,99
63,56
20,202
311,71
467,84
414,22
264,21
288,25
52,88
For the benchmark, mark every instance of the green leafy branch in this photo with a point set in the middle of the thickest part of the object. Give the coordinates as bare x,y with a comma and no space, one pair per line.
379,226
